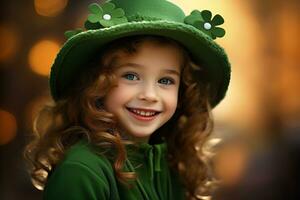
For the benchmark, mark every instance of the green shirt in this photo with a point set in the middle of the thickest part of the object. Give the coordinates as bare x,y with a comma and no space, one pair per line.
85,175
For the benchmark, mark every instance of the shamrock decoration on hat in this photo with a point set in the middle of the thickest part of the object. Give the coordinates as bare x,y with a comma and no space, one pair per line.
202,20
106,15
103,16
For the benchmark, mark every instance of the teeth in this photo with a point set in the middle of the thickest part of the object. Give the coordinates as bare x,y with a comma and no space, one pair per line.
143,113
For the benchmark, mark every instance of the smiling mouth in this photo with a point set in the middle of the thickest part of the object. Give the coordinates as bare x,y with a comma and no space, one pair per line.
143,113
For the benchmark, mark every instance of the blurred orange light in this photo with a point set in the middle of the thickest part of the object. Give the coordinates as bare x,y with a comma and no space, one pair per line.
42,55
49,8
230,163
8,127
8,41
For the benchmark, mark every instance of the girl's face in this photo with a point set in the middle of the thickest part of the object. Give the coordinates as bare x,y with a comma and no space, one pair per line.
147,91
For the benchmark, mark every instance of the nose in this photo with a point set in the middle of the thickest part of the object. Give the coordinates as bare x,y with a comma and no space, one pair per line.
148,92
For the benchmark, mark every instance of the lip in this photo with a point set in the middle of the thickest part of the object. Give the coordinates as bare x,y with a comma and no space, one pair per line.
144,109
143,118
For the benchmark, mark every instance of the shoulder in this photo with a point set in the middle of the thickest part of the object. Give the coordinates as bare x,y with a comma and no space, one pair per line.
83,153
82,172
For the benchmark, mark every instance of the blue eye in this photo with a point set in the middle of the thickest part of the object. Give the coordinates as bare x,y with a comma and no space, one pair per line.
130,76
166,81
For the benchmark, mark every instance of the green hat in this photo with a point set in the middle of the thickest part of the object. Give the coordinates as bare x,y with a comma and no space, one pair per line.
121,18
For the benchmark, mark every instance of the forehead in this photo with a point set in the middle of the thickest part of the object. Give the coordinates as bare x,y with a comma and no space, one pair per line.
151,54
170,70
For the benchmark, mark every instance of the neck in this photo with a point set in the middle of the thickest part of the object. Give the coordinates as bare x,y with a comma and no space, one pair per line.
131,138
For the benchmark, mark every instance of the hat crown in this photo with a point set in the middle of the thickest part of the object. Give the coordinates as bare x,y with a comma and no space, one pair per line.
150,10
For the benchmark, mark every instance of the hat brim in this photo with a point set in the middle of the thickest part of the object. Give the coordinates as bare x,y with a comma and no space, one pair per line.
82,47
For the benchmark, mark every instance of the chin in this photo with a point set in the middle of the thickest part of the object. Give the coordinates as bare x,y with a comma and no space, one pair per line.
140,134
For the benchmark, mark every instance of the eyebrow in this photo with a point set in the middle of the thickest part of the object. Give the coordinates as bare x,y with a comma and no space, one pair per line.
136,65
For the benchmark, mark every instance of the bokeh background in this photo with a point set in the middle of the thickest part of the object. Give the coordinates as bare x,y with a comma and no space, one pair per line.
256,137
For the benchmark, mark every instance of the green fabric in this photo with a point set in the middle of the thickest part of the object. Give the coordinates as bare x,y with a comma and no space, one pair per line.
155,17
86,175
200,20
97,13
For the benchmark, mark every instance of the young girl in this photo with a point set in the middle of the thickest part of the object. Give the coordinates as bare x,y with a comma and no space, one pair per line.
131,111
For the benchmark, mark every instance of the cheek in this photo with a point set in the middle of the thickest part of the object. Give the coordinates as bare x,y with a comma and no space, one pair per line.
171,100
116,97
